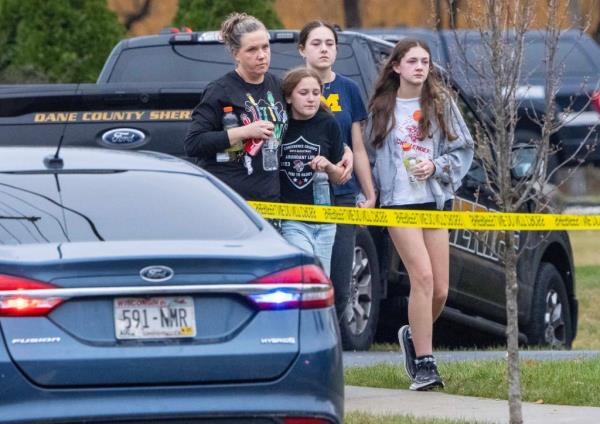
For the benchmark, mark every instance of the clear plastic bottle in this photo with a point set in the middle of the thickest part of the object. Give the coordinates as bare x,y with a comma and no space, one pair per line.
410,159
230,120
321,190
270,154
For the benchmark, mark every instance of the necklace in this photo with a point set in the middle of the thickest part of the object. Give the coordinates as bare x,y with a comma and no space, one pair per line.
327,85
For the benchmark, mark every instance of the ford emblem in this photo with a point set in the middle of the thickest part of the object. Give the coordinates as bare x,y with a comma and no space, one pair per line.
157,273
123,138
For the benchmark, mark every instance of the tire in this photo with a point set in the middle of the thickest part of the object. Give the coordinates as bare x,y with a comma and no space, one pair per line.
550,323
359,323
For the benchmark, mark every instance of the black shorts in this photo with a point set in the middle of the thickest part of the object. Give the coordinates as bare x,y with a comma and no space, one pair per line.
429,206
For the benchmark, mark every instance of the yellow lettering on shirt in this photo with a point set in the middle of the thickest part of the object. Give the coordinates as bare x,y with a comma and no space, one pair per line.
333,102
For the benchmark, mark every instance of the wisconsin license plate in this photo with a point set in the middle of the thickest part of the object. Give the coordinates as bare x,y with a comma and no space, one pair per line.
154,317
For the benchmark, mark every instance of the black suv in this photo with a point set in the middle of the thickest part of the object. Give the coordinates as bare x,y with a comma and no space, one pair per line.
163,75
578,65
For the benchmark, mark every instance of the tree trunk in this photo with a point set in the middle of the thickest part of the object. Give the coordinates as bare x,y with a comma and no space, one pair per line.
453,6
142,11
575,14
512,331
352,12
437,7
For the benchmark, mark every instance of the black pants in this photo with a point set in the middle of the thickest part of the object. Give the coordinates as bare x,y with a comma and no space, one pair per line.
342,257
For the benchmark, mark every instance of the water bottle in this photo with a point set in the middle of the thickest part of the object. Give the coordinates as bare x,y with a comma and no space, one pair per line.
270,156
230,120
321,193
409,158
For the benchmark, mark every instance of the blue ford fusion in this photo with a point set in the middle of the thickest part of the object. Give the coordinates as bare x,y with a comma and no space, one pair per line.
134,287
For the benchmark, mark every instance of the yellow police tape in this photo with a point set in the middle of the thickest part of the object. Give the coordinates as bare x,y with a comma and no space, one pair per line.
426,219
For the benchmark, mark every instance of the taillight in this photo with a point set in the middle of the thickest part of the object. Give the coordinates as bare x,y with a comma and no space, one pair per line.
25,305
596,100
309,288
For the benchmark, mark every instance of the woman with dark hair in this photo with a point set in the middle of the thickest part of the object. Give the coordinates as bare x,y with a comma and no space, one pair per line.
235,153
311,148
318,45
423,149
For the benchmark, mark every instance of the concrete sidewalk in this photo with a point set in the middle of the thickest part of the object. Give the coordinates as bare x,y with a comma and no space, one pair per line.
441,405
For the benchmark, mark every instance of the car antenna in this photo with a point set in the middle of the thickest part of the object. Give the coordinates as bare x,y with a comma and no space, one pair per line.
55,161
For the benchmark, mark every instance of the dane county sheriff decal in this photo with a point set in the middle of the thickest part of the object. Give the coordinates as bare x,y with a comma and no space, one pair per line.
295,160
113,116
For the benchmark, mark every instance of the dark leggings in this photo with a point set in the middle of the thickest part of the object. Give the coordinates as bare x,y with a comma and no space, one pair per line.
342,257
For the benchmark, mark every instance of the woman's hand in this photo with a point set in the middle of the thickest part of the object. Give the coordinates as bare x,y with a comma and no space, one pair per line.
423,170
261,130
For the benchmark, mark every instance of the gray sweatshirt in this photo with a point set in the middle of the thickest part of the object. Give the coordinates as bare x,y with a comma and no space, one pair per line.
452,160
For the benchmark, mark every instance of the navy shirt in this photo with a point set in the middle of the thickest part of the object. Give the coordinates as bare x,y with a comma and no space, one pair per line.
342,95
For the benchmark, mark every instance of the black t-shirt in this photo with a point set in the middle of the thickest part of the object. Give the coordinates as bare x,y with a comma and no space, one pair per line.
303,140
206,138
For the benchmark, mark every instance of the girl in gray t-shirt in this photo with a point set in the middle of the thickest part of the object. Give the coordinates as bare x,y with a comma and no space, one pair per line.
422,151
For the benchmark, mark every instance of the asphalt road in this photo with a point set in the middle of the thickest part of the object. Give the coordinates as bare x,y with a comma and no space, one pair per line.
363,359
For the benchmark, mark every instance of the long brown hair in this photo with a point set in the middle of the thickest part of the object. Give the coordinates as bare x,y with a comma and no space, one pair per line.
382,103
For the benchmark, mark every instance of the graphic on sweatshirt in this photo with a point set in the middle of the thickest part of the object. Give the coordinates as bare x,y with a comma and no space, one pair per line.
295,160
266,110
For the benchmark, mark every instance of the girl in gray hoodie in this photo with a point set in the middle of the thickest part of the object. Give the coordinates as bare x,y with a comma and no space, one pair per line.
423,149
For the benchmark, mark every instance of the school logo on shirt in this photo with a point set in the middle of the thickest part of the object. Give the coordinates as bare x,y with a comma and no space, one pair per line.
333,102
295,160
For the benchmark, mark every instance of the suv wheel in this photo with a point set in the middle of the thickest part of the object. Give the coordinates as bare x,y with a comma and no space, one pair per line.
551,315
359,322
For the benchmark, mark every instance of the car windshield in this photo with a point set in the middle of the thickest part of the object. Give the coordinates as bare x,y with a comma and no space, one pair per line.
116,206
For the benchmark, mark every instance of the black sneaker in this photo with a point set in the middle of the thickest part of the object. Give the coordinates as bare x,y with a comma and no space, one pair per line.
408,351
427,376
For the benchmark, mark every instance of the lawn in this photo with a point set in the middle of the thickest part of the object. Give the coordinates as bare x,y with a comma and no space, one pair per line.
586,255
585,247
555,382
362,418
587,290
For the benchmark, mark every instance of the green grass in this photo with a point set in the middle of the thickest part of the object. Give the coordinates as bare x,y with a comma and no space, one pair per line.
362,418
587,290
555,382
585,247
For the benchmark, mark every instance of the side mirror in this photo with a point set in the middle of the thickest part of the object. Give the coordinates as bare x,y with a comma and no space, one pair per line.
523,161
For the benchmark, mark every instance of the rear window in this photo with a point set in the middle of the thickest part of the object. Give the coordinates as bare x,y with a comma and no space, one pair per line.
570,59
207,62
118,206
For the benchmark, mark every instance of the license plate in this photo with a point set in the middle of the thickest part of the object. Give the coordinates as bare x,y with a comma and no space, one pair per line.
154,317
